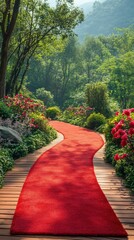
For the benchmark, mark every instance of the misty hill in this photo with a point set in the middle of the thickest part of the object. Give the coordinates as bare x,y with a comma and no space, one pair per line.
107,16
88,6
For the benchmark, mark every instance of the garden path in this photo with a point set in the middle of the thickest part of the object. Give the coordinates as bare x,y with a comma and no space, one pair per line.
119,197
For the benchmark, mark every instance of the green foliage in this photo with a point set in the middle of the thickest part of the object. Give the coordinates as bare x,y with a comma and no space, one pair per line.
6,160
97,98
129,180
76,115
45,96
95,120
6,163
5,111
110,151
121,73
19,150
39,120
39,27
53,112
120,167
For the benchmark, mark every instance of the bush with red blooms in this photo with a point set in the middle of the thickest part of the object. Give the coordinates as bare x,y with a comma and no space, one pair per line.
120,145
22,106
124,131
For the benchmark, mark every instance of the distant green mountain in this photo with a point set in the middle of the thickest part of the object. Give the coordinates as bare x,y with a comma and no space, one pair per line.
88,6
106,17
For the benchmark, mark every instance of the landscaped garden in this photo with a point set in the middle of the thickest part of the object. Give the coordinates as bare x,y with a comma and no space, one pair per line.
23,127
47,73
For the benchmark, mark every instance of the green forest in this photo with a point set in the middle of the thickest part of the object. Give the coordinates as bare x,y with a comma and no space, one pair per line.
46,72
104,17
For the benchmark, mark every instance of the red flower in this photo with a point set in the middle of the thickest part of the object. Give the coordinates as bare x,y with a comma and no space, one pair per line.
132,109
131,131
126,112
131,124
123,156
129,119
116,157
117,135
119,124
113,130
121,132
117,113
124,137
123,143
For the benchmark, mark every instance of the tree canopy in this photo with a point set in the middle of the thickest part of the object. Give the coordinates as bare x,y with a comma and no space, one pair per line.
25,27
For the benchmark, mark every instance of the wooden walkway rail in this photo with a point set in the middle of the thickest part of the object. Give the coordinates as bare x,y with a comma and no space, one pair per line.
118,196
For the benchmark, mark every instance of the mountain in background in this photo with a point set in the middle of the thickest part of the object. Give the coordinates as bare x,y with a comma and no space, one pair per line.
105,17
88,6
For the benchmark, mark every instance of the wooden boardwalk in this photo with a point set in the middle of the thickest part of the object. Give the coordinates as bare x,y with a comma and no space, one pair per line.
120,199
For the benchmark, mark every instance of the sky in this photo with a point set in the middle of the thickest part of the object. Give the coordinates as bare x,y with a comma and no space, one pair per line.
76,2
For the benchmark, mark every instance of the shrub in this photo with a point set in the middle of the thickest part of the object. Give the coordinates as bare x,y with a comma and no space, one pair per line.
53,112
110,151
97,98
6,163
120,135
19,150
22,106
45,96
120,168
30,143
129,180
95,120
76,115
5,111
39,121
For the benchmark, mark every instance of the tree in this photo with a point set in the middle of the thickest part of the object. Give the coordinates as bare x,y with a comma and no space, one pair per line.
121,78
8,17
37,24
94,53
97,98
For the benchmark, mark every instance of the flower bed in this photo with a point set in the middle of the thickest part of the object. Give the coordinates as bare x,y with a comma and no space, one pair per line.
27,117
76,115
120,145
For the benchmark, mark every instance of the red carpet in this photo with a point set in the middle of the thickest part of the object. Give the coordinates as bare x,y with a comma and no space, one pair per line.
61,195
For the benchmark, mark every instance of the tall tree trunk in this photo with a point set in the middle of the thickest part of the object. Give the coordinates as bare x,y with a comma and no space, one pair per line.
3,66
7,26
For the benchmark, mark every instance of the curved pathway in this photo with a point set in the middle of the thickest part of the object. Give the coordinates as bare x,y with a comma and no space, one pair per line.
118,196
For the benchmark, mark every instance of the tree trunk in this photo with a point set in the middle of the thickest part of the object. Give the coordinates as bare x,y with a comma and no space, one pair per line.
7,27
3,66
